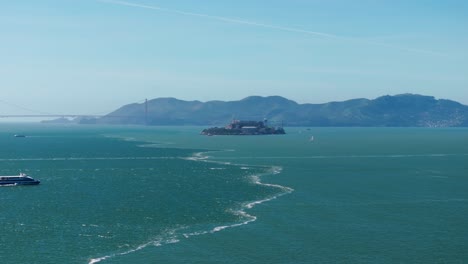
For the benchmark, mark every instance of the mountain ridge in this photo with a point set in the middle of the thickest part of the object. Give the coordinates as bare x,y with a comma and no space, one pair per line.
402,110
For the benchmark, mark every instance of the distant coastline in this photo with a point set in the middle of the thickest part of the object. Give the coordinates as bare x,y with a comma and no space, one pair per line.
404,110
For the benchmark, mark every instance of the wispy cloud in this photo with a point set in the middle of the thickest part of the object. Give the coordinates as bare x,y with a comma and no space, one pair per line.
276,27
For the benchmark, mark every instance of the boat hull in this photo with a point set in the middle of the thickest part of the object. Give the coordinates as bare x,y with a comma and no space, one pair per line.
22,179
19,183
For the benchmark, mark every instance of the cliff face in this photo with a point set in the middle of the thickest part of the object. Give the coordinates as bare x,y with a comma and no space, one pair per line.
400,110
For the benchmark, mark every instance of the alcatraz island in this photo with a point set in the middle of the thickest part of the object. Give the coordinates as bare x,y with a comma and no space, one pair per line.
238,127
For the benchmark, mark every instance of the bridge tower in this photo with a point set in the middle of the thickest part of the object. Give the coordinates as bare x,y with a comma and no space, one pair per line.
146,112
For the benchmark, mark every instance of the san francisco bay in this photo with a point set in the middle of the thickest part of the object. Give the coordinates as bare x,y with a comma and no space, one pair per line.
117,194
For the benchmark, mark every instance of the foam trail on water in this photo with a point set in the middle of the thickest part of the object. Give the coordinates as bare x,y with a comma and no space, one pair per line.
256,179
352,156
83,158
174,237
167,238
250,218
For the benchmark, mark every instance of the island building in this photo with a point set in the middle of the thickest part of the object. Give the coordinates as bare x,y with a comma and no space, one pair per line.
240,127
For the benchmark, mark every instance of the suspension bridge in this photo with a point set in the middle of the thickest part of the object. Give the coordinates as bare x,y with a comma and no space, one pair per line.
53,115
40,114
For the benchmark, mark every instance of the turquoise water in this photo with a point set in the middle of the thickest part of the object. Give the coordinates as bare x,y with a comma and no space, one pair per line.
169,195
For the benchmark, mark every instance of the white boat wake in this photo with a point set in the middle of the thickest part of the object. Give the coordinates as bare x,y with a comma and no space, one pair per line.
175,235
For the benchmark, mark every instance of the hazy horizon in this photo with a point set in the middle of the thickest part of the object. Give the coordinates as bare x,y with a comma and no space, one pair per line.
67,114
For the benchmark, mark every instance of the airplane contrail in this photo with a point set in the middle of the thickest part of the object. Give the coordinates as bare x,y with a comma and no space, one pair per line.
224,19
282,28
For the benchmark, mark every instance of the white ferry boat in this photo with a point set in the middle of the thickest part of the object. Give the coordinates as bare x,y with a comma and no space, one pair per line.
21,179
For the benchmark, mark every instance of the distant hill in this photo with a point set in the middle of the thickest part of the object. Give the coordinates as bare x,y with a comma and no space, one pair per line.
405,110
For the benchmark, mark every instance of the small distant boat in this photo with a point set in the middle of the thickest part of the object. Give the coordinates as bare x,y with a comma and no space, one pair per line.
311,138
21,179
20,135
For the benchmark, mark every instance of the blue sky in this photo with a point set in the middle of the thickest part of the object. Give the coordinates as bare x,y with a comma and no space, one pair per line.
89,56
